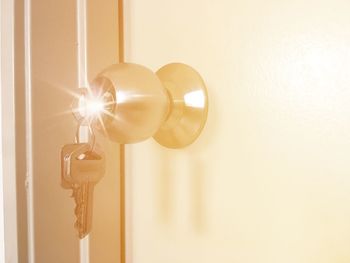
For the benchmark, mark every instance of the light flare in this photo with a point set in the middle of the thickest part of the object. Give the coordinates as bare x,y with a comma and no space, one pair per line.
195,99
89,107
94,107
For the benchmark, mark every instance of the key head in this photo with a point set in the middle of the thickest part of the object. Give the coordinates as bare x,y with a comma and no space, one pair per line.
87,167
81,165
67,152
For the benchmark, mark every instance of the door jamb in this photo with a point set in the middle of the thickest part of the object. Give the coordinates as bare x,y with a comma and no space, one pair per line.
8,206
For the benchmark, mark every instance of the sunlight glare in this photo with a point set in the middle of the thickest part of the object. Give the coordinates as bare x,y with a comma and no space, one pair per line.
195,99
94,107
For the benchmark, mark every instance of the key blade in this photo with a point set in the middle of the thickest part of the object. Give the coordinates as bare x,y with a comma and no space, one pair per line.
84,206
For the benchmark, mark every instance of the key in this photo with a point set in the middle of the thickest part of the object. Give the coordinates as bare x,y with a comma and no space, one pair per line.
81,168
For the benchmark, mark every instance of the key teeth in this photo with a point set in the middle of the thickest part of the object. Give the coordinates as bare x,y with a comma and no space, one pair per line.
82,235
79,226
78,211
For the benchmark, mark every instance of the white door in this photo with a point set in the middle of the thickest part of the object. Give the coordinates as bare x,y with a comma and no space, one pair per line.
268,180
66,43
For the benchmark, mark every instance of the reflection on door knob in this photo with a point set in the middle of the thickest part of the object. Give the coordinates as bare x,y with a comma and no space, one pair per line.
130,103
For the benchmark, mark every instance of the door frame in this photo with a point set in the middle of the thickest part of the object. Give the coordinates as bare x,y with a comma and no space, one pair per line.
9,229
8,206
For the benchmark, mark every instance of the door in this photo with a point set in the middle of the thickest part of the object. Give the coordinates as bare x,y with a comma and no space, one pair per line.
60,47
268,180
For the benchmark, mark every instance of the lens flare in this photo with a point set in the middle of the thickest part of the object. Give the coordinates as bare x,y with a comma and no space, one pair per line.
94,107
89,107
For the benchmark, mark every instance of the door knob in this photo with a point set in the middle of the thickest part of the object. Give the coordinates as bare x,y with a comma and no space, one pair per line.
129,103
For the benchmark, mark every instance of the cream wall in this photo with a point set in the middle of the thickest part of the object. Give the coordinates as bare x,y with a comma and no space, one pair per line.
269,179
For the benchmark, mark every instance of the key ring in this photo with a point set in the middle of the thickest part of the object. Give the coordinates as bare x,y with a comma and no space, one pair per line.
91,136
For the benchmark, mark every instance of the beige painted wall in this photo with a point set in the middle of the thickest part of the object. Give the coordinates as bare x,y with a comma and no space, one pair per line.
268,181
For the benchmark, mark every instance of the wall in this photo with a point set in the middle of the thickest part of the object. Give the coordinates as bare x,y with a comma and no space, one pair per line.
268,180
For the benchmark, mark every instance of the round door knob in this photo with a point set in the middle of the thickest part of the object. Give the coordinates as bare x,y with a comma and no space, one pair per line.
129,103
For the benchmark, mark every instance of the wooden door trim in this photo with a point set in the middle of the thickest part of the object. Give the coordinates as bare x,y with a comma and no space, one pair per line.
8,208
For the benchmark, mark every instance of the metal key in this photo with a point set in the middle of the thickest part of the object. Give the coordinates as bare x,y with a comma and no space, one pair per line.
82,168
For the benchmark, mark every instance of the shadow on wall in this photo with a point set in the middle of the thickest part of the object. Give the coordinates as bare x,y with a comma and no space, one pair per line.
182,180
181,193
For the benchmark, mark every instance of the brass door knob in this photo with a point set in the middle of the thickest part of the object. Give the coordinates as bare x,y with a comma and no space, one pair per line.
129,103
